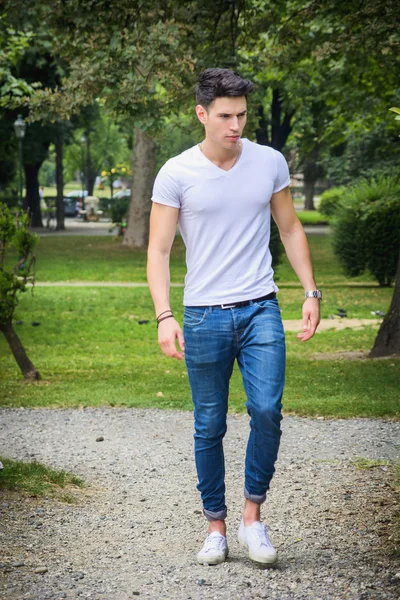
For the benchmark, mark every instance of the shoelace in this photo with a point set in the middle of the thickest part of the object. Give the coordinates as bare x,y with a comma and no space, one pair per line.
262,536
214,543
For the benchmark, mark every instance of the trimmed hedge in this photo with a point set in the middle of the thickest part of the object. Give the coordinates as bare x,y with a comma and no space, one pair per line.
366,229
330,200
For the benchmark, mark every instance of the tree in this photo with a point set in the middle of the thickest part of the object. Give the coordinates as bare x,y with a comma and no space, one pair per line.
13,91
126,57
137,58
14,231
330,61
387,341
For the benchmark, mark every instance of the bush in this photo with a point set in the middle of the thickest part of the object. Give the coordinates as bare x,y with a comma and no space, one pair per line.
330,200
10,200
367,229
119,212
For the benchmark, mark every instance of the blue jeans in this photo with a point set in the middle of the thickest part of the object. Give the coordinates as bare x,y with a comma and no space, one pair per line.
214,338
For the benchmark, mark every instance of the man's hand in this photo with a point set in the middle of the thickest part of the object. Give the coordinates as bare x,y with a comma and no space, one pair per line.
311,318
168,332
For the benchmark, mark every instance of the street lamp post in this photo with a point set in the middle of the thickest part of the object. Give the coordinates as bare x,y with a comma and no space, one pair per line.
83,178
19,128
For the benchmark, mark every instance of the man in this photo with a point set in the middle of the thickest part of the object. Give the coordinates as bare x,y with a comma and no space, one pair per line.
221,192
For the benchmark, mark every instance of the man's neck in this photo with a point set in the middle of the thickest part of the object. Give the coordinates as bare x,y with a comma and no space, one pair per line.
222,157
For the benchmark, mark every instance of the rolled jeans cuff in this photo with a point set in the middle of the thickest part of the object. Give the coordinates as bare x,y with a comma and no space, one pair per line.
215,516
255,498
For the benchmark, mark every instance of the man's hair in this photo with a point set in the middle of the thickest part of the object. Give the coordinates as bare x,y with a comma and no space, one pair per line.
217,83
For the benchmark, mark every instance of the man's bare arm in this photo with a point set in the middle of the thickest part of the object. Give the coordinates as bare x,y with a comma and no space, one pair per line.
163,221
295,241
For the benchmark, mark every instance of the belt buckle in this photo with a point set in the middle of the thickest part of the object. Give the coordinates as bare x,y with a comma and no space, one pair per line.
225,306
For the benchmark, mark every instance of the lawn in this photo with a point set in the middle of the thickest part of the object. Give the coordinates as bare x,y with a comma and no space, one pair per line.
92,351
103,258
312,217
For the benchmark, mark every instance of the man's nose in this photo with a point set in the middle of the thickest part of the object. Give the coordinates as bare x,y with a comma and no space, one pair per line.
235,124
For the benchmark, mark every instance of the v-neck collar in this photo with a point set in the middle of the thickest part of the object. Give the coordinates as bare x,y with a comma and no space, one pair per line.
219,169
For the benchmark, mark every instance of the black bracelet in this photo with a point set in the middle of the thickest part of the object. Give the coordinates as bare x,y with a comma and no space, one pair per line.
163,319
163,313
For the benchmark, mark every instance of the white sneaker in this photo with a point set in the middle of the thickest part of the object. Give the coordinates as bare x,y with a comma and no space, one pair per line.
254,538
214,551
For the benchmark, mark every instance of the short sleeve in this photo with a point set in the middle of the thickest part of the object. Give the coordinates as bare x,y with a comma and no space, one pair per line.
282,179
166,189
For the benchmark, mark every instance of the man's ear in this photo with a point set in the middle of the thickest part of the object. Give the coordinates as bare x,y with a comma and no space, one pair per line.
201,114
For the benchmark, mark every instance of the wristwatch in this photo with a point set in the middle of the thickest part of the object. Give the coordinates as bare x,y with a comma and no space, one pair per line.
313,294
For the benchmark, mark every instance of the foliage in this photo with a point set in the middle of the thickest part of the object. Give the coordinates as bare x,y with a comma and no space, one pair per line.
14,231
367,229
13,44
114,173
124,57
119,208
330,200
364,150
397,111
109,144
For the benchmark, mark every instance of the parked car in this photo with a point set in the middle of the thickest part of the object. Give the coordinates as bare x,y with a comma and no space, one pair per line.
122,194
69,207
70,201
77,194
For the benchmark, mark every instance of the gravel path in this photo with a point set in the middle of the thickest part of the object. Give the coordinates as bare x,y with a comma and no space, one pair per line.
135,530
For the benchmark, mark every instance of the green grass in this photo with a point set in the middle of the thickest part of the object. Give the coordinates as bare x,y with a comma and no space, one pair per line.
328,271
103,258
96,258
91,351
312,217
36,479
75,185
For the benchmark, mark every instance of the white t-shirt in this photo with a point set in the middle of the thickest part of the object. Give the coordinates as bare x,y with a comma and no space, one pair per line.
224,219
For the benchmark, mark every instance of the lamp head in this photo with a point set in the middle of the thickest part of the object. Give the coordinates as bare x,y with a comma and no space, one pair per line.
19,128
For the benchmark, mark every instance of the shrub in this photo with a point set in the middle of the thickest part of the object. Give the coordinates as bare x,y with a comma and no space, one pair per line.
119,212
367,229
330,200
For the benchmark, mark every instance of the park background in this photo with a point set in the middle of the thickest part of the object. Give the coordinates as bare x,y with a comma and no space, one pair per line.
110,98
96,94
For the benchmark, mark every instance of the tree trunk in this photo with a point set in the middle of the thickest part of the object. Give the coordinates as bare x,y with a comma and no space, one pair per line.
32,199
387,341
144,162
262,132
309,186
27,368
280,128
60,183
312,171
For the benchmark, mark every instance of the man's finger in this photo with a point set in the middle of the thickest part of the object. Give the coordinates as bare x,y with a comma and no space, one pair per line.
181,340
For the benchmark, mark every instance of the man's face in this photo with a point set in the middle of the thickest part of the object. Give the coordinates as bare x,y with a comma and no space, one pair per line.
224,120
